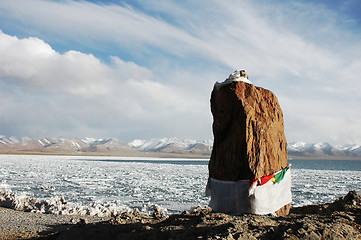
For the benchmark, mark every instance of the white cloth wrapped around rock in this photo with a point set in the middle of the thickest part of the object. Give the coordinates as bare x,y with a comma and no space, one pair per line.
236,76
238,197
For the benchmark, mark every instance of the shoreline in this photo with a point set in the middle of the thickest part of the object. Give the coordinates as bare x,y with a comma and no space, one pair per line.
88,154
163,155
338,220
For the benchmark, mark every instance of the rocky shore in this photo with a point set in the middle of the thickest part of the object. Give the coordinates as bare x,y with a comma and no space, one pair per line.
338,220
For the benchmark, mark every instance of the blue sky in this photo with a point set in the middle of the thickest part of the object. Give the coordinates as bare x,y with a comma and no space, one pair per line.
143,69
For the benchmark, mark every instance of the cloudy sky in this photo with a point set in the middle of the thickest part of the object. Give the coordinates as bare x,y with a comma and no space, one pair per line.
144,69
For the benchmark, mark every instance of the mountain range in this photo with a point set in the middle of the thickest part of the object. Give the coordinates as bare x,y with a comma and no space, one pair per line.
161,147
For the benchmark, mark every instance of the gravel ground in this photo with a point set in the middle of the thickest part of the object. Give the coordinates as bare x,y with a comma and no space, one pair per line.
22,225
338,220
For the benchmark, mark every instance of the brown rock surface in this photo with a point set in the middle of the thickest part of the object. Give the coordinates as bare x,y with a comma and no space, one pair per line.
248,128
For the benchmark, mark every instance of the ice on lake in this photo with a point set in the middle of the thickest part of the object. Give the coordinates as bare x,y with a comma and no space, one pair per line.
127,183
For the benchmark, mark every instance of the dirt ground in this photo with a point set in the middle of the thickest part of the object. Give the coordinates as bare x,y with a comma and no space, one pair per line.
338,220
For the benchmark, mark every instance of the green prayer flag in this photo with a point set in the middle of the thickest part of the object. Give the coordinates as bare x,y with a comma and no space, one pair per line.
279,176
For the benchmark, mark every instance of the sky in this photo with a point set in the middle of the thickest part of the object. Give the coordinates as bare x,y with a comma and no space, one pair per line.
145,69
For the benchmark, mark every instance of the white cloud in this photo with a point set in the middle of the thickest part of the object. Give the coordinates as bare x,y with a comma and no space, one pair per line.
90,23
53,93
305,53
33,65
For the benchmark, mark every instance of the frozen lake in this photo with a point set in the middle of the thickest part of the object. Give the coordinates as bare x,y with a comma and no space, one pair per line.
173,184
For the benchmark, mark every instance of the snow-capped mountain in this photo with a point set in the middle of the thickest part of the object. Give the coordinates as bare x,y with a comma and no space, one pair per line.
320,150
111,146
63,146
323,150
160,147
173,145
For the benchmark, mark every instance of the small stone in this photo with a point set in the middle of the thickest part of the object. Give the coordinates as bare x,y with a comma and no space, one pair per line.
313,236
301,231
185,212
197,209
208,209
157,213
230,237
83,221
147,228
62,200
136,212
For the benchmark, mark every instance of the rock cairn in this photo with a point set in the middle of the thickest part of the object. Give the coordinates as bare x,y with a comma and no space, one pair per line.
248,129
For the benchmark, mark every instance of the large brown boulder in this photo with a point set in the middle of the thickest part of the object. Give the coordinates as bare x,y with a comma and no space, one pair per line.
248,129
249,139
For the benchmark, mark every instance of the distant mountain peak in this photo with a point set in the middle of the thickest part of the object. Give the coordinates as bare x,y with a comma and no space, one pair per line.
88,145
172,145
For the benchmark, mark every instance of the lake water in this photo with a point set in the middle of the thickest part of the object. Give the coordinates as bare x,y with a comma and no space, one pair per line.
173,184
